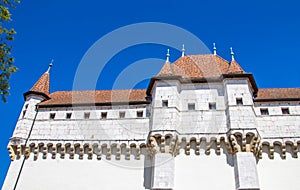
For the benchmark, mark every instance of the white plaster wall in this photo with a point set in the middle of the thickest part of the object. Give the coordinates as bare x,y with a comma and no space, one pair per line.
81,174
279,174
203,172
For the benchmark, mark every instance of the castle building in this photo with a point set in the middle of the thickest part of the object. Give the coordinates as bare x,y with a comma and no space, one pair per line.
202,123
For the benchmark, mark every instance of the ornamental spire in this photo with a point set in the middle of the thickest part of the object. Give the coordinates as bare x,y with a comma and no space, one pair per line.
232,54
168,55
215,49
182,51
50,65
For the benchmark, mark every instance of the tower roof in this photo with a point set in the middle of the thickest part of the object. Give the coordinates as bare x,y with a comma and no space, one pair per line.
200,66
42,85
235,68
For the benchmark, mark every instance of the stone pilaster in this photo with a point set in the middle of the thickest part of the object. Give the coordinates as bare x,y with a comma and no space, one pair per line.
163,163
245,149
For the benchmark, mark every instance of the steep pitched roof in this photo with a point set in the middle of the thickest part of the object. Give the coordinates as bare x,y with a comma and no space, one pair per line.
278,93
42,85
95,97
201,66
234,67
166,70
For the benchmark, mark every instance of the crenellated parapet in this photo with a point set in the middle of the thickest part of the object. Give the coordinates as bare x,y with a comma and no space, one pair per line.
80,150
173,143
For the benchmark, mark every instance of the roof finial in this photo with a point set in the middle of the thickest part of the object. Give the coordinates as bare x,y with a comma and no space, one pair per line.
232,54
215,49
168,55
182,51
50,65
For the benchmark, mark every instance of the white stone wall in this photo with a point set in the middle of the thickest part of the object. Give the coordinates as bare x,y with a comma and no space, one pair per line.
93,128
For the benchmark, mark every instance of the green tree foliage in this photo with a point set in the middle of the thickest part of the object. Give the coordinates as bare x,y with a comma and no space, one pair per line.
6,36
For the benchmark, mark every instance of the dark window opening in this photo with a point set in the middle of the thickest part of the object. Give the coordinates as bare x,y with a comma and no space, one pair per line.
24,112
103,115
87,115
122,114
191,106
139,113
285,111
52,115
239,101
165,103
212,106
264,111
68,115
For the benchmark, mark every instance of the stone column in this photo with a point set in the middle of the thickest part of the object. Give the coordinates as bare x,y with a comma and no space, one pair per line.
246,149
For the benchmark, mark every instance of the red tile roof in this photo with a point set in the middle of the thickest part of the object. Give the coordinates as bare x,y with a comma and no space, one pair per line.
42,85
201,66
98,96
278,93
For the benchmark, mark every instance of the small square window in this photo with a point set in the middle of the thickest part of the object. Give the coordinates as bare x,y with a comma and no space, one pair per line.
139,113
212,106
191,106
165,103
103,115
52,115
122,114
68,115
285,111
26,106
264,111
87,115
239,101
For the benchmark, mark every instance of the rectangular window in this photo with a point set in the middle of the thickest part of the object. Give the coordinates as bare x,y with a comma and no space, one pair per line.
139,114
264,111
165,103
191,106
122,114
212,106
285,111
86,115
239,101
68,115
103,115
52,115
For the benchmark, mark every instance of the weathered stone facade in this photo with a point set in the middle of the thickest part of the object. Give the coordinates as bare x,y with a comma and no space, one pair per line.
191,113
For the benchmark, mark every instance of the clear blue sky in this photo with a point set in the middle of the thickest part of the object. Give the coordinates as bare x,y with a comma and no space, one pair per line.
265,36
